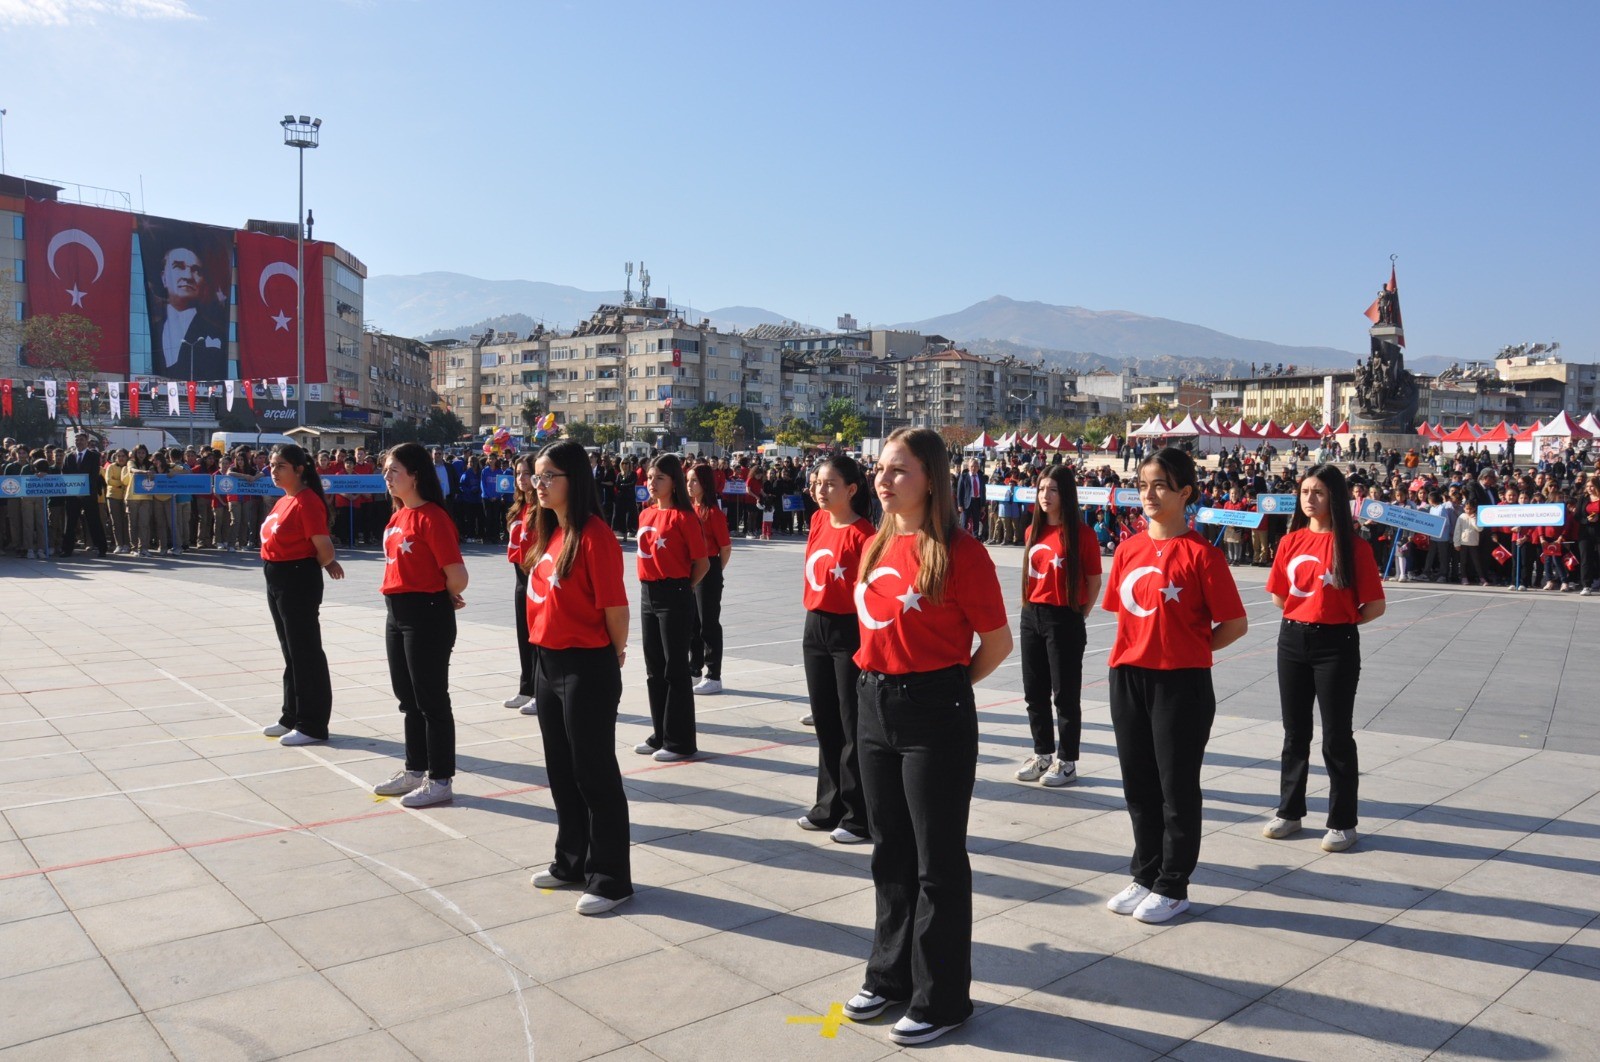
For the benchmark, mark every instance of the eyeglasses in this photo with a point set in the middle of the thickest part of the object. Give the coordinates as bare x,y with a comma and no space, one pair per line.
544,479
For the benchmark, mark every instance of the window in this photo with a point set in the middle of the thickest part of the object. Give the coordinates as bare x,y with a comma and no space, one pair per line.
16,226
711,396
711,374
649,418
633,418
649,370
633,396
21,277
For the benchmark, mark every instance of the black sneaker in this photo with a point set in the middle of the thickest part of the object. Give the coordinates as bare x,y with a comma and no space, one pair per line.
864,1005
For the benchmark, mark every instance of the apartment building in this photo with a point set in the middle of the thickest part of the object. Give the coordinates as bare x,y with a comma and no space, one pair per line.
955,388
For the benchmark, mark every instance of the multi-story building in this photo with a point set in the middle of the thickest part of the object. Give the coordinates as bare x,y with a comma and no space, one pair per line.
1187,395
955,388
1261,396
397,378
1115,388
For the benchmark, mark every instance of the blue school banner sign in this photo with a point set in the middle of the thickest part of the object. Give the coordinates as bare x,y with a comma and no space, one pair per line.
354,485
1277,504
1418,520
1230,517
240,487
44,486
794,503
184,483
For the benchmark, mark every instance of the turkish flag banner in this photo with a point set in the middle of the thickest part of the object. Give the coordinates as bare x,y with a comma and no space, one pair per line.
677,358
133,399
5,398
72,399
249,393
268,284
192,387
1500,554
78,262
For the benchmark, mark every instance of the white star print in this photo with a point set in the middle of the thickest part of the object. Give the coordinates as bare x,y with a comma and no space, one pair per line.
1056,562
838,572
77,296
1171,592
405,545
1327,578
280,321
555,580
909,600
661,540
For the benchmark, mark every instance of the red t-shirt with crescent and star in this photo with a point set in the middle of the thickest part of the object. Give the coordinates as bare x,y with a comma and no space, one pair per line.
670,541
903,632
1047,565
516,534
418,545
568,611
1166,596
1300,575
714,522
287,531
833,558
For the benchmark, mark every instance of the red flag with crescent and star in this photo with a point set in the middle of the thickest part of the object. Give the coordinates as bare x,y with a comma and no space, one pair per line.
1372,312
78,261
133,398
72,399
193,387
267,305
5,398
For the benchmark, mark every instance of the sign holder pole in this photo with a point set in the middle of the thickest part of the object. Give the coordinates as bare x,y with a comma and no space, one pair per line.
1517,560
1394,547
44,524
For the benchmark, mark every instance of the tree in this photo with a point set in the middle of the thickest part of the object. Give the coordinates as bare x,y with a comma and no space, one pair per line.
62,347
724,425
442,428
607,435
531,412
1097,428
1291,415
956,436
1150,407
397,430
579,431
697,421
793,431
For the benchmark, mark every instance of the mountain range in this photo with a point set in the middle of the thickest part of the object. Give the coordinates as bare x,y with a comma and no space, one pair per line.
440,305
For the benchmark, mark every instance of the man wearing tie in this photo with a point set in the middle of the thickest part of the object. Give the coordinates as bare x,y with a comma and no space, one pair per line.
82,461
970,500
188,331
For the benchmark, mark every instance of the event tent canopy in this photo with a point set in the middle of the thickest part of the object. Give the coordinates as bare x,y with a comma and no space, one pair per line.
1590,424
1562,426
984,441
1154,427
1464,432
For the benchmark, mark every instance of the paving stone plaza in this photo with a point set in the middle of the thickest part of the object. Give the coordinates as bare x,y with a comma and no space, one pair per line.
175,885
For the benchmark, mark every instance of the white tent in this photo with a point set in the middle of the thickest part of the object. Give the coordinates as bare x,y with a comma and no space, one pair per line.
1562,426
1590,424
1152,428
1007,441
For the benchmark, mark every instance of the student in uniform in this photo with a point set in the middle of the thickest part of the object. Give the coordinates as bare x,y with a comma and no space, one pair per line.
926,588
705,641
1176,604
839,532
295,550
423,578
1327,585
1060,582
578,621
517,517
671,561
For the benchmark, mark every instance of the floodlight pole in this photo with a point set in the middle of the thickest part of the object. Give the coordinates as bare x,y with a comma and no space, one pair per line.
300,133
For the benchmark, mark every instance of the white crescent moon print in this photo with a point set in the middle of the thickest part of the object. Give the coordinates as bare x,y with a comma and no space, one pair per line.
538,597
647,531
276,269
1034,573
1299,559
1129,583
868,620
78,236
811,568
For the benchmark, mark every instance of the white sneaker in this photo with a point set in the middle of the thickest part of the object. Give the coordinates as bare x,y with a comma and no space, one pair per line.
433,791
294,737
805,823
591,904
708,685
644,748
1279,828
1338,840
531,708
275,730
1154,909
543,879
668,756
908,1032
516,700
33,554
864,1006
1063,772
401,783
1034,767
1128,900
841,835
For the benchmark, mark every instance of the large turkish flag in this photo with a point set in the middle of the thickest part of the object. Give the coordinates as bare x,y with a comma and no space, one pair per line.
267,283
78,261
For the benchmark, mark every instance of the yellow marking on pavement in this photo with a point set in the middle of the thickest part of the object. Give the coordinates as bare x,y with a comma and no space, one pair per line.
830,1021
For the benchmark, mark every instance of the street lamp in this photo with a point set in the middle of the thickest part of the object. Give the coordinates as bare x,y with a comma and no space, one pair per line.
300,133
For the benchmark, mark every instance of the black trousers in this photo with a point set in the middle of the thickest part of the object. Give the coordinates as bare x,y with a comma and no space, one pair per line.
667,614
294,598
577,695
1162,720
1319,662
827,650
527,681
1589,556
919,760
89,509
705,640
1053,639
420,635
1471,567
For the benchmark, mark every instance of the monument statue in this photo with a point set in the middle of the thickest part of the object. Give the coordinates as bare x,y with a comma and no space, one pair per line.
1386,394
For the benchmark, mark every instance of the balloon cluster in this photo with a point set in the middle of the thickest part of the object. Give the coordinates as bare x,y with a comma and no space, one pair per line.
500,442
545,428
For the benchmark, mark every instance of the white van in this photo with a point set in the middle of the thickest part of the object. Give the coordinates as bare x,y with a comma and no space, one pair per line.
224,441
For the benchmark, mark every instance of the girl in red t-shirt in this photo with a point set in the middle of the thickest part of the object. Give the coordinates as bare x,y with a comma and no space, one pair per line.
839,532
926,589
1327,583
295,551
522,504
705,640
1060,582
577,614
1176,604
423,578
671,560
1589,537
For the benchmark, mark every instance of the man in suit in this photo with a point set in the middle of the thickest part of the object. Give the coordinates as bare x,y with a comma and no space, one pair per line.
188,328
970,500
82,461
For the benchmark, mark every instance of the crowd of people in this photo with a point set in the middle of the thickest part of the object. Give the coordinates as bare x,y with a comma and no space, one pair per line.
904,616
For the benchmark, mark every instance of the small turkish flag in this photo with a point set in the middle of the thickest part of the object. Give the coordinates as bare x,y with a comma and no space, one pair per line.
249,394
677,358
72,399
1501,554
5,397
133,399
192,389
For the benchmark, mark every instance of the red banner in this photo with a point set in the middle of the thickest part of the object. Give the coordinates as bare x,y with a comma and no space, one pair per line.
133,399
5,398
72,399
267,306
78,259
192,387
249,393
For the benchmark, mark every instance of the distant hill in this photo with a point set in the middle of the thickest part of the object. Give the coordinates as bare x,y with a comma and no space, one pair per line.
437,305
1118,334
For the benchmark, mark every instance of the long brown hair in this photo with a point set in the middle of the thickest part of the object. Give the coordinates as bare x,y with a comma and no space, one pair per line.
669,464
1343,568
1068,573
521,500
938,529
583,501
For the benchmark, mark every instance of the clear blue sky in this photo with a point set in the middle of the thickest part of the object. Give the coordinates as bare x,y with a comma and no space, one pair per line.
1245,166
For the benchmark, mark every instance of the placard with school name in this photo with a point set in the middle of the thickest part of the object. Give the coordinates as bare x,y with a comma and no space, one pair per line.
794,503
1277,504
1230,517
1125,497
1418,520
997,492
354,485
182,483
1544,514
44,486
733,486
240,487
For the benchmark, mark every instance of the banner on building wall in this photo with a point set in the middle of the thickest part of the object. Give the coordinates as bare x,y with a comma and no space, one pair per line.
78,261
268,288
187,274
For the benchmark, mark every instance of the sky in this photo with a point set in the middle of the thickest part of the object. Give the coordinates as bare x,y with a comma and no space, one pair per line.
1247,166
